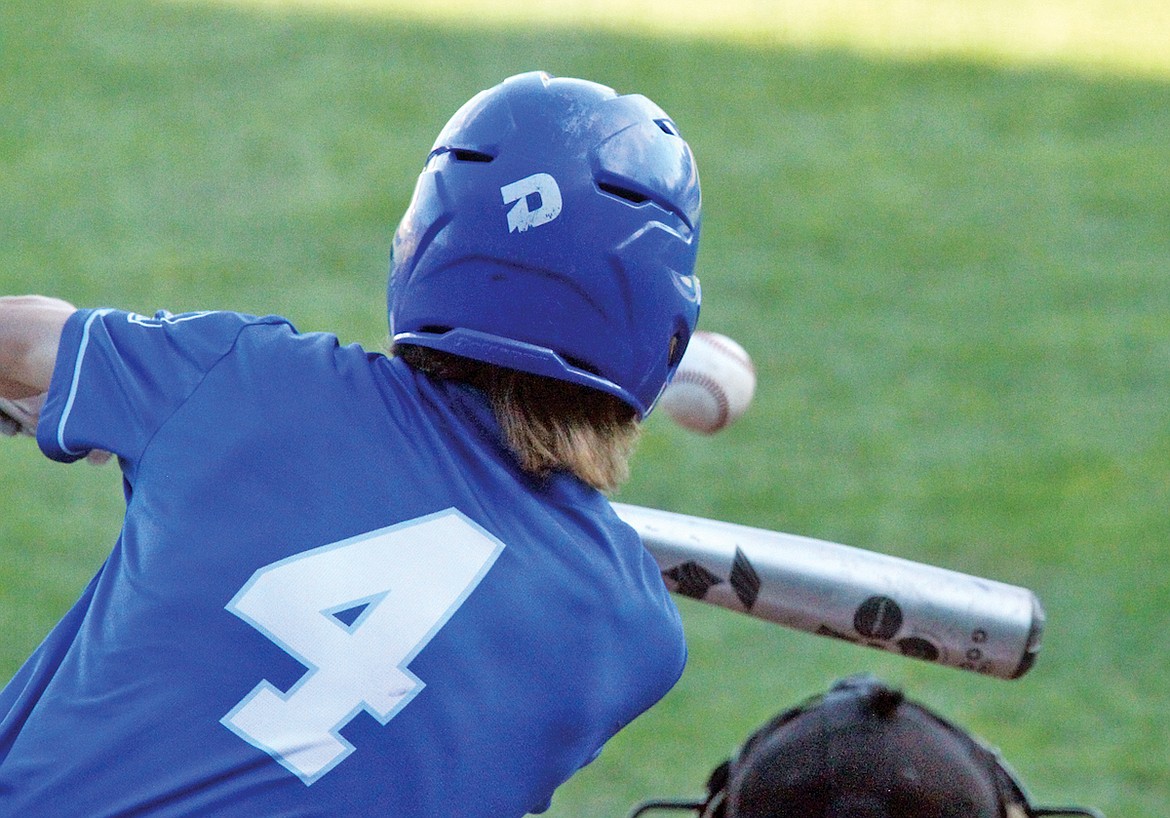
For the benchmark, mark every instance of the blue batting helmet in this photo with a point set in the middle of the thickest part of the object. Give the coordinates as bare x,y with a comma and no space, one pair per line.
553,230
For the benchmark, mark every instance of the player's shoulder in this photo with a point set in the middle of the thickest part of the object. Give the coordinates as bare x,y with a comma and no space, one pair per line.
203,320
273,336
164,326
199,338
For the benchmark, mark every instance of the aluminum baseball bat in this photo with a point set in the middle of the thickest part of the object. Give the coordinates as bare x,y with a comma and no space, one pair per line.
865,597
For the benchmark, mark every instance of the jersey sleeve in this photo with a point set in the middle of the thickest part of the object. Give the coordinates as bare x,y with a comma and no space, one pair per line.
120,375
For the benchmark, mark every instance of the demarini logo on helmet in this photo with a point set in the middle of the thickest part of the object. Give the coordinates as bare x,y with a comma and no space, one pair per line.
539,189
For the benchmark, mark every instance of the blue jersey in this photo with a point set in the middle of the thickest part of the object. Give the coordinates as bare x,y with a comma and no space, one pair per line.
334,592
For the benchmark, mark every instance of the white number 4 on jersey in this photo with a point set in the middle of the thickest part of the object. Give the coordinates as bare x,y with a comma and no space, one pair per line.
355,613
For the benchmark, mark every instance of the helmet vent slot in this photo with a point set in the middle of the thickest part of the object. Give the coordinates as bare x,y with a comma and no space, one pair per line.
667,126
632,196
464,155
577,363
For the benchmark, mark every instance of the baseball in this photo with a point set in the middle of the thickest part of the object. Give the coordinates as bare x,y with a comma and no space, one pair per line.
713,386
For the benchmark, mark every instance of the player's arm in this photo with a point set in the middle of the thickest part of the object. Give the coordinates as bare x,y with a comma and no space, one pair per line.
30,330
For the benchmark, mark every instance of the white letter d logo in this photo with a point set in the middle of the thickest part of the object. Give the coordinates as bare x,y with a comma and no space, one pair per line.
548,195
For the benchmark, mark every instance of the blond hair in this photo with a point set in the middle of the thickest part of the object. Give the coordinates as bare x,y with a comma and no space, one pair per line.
549,424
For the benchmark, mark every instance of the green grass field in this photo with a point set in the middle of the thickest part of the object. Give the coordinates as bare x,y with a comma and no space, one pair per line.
950,260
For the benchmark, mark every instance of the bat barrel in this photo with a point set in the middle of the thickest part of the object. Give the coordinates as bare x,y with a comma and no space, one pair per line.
868,598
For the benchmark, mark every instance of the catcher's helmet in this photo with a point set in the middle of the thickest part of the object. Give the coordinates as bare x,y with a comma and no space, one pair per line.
862,750
554,230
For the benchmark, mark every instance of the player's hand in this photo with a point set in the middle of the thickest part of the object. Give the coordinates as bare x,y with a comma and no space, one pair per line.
8,425
19,417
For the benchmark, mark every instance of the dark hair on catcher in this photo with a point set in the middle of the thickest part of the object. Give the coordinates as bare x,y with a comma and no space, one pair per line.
862,750
883,701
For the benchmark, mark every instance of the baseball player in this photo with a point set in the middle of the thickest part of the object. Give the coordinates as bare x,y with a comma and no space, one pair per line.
862,750
352,584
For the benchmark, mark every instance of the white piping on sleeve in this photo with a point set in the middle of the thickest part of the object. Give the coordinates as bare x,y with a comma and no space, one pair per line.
93,316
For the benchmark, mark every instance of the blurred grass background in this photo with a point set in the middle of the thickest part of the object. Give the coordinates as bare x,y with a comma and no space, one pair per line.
941,229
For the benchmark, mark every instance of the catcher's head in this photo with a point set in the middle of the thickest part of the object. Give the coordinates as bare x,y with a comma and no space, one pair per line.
862,750
553,231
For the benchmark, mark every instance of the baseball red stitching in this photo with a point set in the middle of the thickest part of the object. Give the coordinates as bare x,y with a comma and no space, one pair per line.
718,343
714,389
